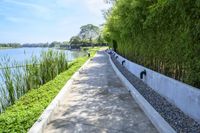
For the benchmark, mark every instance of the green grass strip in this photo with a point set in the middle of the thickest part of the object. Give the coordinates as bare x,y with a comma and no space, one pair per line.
25,112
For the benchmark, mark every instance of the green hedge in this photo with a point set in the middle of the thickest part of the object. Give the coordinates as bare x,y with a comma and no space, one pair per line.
160,34
22,115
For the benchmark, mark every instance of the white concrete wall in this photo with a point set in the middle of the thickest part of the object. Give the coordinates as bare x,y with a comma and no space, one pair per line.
185,97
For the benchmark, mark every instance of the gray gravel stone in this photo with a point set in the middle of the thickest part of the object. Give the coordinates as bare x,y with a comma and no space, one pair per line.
173,115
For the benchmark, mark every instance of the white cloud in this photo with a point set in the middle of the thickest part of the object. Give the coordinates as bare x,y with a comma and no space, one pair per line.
47,20
28,5
63,3
96,6
36,9
16,19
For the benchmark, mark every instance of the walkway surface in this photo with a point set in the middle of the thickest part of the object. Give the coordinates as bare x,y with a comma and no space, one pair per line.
98,102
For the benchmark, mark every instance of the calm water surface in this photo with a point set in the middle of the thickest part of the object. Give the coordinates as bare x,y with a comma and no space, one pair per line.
22,54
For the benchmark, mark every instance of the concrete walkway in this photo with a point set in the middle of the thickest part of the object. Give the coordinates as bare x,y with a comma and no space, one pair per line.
98,102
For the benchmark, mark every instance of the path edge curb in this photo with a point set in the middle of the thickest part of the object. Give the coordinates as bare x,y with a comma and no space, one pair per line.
158,121
45,117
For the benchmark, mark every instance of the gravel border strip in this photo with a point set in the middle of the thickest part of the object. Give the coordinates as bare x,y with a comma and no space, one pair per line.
173,115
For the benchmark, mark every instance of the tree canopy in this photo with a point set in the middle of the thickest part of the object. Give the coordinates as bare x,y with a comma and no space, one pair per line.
13,45
89,34
75,40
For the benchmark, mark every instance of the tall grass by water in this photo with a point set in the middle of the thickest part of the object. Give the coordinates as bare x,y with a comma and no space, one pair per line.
20,116
16,79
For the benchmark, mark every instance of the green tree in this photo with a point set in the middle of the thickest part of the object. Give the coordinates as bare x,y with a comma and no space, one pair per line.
89,32
55,44
75,40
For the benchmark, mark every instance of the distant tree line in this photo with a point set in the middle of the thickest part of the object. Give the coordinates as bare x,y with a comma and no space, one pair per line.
11,45
163,35
89,35
50,45
35,45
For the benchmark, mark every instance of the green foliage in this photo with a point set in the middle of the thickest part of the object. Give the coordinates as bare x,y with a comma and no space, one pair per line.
89,32
22,115
6,75
55,44
75,40
10,45
34,73
162,35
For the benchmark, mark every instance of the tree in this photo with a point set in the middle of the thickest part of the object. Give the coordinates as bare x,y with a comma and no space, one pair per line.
89,32
13,45
75,40
65,43
55,44
100,39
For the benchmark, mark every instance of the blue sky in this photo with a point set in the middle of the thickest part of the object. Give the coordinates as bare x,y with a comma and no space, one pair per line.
33,21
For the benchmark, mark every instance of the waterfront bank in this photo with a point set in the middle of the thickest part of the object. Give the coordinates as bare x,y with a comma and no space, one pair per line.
22,115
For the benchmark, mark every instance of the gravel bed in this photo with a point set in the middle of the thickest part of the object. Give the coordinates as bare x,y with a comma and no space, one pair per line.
179,121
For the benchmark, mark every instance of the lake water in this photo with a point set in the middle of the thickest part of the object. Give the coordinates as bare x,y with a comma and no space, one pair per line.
20,55
23,54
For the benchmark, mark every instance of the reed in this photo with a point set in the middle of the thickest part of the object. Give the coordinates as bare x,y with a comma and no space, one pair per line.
33,73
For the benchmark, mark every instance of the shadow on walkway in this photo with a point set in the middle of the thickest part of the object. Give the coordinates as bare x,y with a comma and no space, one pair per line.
98,102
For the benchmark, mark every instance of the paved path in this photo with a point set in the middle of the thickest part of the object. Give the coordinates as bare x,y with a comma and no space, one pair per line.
98,102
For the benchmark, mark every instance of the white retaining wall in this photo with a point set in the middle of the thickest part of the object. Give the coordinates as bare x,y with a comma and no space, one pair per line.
184,96
158,121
